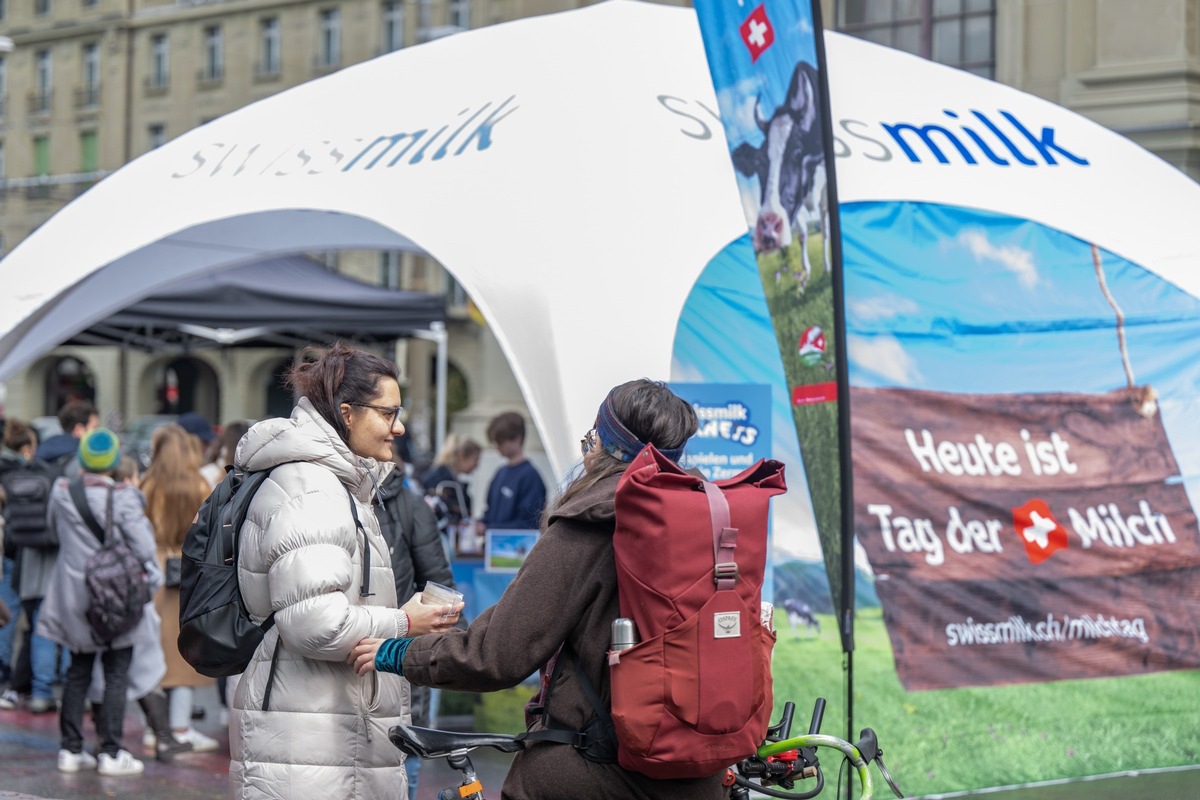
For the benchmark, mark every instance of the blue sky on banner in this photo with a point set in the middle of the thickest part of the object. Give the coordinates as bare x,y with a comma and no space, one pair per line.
738,77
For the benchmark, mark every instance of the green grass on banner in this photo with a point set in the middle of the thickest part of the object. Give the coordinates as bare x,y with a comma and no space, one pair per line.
794,307
958,739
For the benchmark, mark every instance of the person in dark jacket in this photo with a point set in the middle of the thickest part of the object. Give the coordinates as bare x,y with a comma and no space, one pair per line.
516,496
418,557
565,592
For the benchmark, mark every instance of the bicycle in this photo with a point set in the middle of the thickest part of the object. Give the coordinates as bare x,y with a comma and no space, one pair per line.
780,761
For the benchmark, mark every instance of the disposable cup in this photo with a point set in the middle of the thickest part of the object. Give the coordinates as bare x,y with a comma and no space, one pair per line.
437,595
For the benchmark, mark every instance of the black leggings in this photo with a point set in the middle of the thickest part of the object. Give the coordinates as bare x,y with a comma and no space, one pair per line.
110,723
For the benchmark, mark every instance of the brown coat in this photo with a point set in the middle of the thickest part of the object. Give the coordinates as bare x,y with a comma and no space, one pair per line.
166,602
565,591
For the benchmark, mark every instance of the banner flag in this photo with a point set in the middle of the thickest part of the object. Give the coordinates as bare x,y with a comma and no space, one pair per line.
767,65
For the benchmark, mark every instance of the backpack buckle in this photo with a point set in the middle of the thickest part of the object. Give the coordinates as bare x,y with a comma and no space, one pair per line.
725,574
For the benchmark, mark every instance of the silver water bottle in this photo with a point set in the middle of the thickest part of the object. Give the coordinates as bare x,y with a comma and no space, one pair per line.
624,634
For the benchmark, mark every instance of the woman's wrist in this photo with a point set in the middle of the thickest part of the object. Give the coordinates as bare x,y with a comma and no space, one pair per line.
403,624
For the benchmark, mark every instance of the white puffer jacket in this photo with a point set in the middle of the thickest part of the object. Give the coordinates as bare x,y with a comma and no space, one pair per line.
324,733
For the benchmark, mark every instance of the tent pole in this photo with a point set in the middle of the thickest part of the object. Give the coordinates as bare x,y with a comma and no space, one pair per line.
437,333
440,336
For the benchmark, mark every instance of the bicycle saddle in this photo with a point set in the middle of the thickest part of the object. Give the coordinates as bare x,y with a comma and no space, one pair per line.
432,743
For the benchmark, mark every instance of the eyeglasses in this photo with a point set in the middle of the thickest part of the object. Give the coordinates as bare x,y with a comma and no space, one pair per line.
588,442
391,413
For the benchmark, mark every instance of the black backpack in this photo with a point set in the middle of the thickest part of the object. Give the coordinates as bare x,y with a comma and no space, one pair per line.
118,584
216,634
28,488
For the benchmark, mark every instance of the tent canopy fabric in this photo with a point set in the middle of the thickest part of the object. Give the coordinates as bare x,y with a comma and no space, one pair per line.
286,301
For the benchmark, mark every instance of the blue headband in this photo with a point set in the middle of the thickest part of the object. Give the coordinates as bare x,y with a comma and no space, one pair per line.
619,440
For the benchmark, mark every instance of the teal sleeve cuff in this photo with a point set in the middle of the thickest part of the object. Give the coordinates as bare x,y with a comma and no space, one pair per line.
390,656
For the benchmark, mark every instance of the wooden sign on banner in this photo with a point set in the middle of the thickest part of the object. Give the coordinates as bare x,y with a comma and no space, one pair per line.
1025,537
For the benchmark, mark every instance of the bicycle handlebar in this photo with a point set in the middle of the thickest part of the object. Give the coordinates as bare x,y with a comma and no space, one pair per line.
780,760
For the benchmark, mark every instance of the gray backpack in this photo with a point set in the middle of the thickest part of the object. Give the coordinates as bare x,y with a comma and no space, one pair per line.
118,585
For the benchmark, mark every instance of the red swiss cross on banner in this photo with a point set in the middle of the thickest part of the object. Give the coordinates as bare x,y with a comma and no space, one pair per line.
757,33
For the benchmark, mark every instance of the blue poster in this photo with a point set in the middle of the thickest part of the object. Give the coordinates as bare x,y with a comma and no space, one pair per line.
735,427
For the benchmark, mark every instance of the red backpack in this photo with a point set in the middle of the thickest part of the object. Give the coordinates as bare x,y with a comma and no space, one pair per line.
693,696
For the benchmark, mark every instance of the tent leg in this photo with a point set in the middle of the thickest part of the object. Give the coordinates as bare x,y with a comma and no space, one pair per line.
437,333
439,330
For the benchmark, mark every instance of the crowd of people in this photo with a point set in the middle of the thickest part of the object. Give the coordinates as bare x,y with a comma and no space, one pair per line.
337,546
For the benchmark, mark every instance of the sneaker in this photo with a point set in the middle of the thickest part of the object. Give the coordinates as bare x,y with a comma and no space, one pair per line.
165,749
149,740
199,742
10,700
121,764
42,705
73,762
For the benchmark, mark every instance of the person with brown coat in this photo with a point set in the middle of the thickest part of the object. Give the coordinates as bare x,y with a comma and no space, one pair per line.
565,592
175,490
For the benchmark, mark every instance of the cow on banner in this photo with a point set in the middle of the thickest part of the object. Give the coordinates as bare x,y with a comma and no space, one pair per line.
790,167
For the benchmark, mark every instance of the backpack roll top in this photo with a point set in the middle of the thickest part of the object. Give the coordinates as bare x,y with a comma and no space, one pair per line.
694,695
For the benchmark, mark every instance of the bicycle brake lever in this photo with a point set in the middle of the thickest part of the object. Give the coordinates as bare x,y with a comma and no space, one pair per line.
887,776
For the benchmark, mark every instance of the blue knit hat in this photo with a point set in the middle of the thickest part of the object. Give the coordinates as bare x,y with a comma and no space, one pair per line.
99,450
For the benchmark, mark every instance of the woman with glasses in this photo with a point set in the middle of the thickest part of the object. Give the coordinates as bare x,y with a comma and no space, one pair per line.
564,593
311,554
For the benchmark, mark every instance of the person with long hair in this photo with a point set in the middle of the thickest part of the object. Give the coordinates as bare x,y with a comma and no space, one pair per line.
313,558
175,490
221,450
564,593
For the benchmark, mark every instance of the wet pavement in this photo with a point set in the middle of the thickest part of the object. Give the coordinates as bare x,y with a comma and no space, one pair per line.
29,751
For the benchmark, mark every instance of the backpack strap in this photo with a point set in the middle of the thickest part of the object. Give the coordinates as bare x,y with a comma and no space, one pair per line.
724,538
79,497
597,742
364,588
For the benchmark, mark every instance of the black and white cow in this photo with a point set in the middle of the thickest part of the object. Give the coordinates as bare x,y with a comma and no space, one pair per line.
801,613
790,167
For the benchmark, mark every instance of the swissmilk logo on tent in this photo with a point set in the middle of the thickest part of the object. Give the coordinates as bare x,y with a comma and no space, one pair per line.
975,137
358,153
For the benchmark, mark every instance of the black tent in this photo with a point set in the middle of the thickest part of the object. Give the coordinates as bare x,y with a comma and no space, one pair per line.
284,302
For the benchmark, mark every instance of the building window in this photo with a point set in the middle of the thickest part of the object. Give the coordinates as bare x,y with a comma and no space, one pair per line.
329,52
3,10
393,25
460,13
89,93
156,136
214,54
41,7
160,61
268,46
424,14
959,33
3,84
43,83
89,3
41,167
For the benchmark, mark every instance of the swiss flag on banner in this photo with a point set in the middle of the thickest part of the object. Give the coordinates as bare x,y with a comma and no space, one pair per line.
757,32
